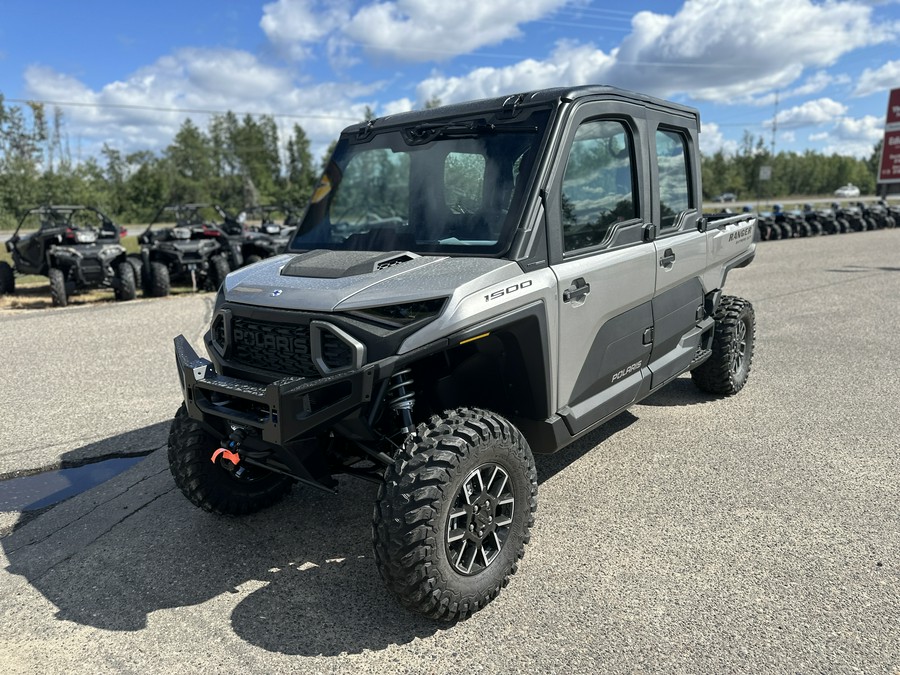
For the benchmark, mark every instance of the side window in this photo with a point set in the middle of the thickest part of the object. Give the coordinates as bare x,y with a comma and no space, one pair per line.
464,181
597,188
674,186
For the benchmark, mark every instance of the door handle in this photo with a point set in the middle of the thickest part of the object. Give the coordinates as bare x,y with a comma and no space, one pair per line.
668,258
577,290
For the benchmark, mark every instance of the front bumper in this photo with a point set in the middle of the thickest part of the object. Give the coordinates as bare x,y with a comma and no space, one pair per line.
282,412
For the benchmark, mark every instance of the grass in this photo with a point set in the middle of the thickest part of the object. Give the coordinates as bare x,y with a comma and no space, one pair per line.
33,291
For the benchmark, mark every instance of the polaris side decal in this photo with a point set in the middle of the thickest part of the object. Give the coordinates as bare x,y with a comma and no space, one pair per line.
627,371
509,290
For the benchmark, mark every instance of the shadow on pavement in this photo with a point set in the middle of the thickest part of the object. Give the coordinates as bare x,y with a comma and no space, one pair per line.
681,391
550,465
297,579
302,572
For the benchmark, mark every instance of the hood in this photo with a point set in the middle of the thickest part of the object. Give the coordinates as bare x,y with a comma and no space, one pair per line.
326,281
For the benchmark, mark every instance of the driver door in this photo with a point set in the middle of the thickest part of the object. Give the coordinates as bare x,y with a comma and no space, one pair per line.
604,267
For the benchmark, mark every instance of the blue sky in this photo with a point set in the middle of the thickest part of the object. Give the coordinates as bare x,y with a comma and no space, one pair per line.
124,73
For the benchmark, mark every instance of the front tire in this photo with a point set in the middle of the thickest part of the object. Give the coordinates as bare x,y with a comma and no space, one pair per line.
7,279
726,371
127,286
454,513
138,266
218,270
213,487
159,284
57,287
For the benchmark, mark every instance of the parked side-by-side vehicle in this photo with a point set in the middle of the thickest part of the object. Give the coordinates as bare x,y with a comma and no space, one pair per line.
469,285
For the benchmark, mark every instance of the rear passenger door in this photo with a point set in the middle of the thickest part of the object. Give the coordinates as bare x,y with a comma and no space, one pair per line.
604,266
681,252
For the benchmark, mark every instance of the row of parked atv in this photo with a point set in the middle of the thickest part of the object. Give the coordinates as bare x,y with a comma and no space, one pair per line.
79,248
836,219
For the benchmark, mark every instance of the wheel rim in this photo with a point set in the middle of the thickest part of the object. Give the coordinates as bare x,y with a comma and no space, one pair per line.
481,516
739,348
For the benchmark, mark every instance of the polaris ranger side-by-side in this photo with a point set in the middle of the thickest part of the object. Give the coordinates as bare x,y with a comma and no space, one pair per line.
76,247
470,284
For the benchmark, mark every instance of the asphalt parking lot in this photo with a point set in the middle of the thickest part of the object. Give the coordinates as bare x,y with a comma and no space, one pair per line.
755,533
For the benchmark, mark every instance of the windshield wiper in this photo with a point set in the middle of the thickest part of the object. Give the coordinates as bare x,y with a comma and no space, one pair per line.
424,133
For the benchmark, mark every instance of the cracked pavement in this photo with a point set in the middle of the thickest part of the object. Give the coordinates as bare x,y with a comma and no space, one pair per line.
755,533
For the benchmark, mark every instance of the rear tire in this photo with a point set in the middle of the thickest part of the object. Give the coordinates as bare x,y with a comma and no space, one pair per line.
7,279
251,259
57,287
211,486
218,270
127,288
454,513
726,371
138,266
159,284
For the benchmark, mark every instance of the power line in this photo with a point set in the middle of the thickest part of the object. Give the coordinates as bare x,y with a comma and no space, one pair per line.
194,111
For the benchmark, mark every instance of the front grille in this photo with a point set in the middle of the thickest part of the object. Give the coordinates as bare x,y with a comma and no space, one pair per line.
92,270
270,346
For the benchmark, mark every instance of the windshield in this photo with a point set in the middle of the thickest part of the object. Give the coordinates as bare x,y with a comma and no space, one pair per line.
437,188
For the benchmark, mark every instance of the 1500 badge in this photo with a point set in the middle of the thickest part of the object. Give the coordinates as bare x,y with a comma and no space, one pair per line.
509,290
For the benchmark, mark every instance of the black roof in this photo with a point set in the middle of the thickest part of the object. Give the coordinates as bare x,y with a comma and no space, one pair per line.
540,97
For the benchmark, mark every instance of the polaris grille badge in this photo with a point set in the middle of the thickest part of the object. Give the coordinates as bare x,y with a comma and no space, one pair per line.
277,292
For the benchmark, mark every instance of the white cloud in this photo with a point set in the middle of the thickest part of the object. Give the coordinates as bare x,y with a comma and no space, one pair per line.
424,30
869,129
737,49
569,64
294,25
851,136
407,30
145,110
712,140
878,80
810,113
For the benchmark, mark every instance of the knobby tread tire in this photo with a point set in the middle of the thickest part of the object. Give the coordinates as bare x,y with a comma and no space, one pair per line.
159,284
127,289
218,270
7,279
138,266
210,486
413,501
57,287
714,375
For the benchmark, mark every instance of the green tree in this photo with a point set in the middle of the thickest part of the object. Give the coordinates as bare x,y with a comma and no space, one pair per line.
190,164
300,174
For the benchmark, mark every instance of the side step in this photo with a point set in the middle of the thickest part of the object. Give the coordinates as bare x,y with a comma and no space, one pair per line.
700,357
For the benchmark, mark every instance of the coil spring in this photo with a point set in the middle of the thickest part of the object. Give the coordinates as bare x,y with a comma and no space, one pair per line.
400,394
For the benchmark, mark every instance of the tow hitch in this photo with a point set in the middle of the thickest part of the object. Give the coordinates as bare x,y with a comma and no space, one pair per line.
231,453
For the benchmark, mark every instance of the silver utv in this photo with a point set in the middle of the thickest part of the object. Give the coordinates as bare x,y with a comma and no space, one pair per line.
469,285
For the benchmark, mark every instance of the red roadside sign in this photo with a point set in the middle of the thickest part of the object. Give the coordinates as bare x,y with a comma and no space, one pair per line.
890,158
893,111
889,171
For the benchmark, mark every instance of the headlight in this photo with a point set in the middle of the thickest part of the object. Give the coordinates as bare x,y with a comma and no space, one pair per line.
85,236
108,253
398,316
208,245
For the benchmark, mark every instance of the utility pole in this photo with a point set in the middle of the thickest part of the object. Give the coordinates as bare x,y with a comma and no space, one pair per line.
774,124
